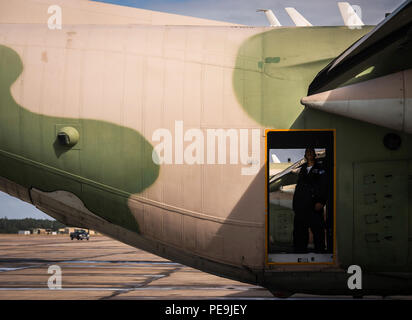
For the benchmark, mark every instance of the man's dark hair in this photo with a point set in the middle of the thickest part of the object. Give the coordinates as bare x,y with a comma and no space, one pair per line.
310,149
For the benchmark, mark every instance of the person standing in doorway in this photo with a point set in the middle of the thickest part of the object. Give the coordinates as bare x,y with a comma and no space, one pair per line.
309,200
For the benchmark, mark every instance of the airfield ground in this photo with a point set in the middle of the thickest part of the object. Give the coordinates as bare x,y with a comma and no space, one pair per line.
103,268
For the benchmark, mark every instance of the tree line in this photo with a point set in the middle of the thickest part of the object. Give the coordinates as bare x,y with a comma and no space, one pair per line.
14,225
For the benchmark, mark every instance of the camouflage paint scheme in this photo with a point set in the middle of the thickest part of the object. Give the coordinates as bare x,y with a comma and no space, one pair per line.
41,162
232,77
271,93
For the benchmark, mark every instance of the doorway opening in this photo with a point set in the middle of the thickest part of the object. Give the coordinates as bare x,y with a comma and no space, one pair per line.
300,196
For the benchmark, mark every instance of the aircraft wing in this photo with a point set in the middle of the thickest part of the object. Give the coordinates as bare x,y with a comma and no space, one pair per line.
384,50
286,177
289,176
93,12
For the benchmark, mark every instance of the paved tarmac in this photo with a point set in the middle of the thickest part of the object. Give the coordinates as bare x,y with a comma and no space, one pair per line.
103,268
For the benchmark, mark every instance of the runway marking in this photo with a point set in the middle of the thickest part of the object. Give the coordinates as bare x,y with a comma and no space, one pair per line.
122,273
137,288
12,269
144,284
126,262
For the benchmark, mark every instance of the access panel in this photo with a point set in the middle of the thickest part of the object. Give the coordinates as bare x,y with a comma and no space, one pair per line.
380,214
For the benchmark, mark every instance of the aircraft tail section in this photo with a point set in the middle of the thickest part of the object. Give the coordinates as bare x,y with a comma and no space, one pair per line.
274,22
297,18
350,17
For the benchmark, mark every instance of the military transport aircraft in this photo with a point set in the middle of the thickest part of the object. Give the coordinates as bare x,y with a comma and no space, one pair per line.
112,118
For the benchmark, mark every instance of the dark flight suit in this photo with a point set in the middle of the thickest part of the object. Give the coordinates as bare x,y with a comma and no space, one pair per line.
310,189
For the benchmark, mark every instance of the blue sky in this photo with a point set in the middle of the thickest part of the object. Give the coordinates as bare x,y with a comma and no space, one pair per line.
284,154
318,12
13,208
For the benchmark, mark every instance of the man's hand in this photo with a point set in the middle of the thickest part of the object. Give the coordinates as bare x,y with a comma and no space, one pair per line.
318,206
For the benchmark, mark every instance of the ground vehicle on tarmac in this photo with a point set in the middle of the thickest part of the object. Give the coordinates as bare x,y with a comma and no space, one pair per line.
79,235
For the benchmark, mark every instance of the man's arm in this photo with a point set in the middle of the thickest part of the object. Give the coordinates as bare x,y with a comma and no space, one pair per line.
322,197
